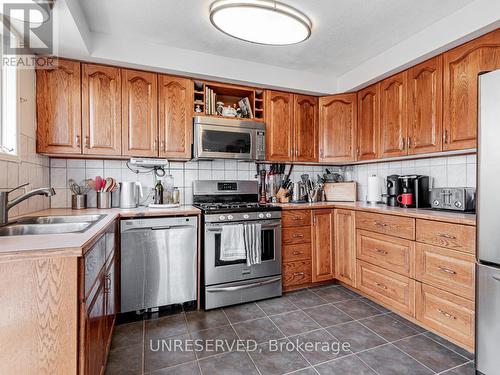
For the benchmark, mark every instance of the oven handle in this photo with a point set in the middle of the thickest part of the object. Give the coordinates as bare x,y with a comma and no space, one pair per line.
246,286
264,226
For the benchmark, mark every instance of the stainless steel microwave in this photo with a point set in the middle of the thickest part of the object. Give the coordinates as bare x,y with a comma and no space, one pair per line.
219,138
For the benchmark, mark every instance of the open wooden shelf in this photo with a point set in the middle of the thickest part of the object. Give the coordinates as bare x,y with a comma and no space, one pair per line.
230,95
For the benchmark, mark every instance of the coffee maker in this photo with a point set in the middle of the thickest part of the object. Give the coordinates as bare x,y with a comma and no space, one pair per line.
393,190
418,187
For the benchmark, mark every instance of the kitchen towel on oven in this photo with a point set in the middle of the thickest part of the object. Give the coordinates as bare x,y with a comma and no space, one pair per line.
253,240
232,243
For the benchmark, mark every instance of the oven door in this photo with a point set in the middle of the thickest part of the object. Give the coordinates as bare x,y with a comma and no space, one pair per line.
224,142
217,271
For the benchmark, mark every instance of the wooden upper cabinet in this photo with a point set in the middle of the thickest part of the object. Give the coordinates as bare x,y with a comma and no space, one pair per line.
345,246
139,113
424,105
279,126
392,127
337,128
176,122
462,66
58,104
101,110
322,245
368,122
306,128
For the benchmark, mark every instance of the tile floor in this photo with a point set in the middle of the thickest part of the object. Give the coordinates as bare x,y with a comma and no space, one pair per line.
325,318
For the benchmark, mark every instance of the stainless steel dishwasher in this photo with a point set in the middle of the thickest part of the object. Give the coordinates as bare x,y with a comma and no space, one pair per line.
158,262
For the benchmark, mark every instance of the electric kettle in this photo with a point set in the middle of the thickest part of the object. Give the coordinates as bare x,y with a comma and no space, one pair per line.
130,192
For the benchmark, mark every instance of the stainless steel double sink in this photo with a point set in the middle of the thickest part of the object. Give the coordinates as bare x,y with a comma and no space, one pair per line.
50,225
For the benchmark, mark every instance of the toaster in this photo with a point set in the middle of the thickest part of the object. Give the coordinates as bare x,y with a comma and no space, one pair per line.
455,199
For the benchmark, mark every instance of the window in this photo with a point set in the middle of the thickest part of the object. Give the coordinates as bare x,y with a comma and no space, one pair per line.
8,107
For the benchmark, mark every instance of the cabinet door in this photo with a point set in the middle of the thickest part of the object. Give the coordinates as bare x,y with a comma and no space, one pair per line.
337,127
368,122
94,333
424,104
393,116
461,67
322,242
306,128
139,113
279,126
176,117
58,103
345,247
101,110
111,293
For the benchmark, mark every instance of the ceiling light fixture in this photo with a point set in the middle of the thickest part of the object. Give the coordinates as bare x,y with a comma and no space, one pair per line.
260,21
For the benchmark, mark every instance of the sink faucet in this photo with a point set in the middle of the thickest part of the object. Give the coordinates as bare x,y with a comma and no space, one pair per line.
6,205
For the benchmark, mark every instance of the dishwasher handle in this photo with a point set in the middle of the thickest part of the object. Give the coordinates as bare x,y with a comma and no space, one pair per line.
166,227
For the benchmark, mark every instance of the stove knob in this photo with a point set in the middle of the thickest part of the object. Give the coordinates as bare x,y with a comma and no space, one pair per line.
222,217
261,216
246,216
458,204
230,217
268,215
435,203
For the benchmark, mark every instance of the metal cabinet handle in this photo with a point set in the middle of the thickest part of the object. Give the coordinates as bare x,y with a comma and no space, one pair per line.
77,140
380,224
381,285
381,251
449,316
155,145
297,235
87,142
296,218
445,136
448,236
298,274
321,154
447,270
298,252
162,146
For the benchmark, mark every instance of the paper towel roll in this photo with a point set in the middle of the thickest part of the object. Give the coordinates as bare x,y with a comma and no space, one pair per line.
374,189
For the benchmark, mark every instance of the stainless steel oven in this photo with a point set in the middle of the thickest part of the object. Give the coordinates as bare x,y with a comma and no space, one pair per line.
218,271
218,138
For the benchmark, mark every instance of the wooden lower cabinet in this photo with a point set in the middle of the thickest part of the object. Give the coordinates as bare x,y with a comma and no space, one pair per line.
446,269
322,245
297,273
94,335
390,288
446,313
345,246
392,253
397,226
452,236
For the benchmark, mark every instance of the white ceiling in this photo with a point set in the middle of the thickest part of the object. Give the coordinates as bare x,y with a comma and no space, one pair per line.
353,42
345,32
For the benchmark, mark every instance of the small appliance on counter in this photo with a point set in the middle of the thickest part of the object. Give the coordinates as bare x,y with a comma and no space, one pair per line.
455,199
393,190
414,191
130,192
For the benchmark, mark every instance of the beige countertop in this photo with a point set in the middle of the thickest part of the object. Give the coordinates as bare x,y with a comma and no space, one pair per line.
428,214
73,244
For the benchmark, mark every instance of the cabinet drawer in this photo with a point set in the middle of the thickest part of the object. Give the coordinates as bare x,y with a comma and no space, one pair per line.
296,252
297,235
394,254
446,313
394,290
397,226
446,269
453,236
94,261
297,273
296,218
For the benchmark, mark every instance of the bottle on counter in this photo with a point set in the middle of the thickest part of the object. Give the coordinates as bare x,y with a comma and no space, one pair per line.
158,198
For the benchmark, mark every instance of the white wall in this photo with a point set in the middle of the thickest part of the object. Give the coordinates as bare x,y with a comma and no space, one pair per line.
30,167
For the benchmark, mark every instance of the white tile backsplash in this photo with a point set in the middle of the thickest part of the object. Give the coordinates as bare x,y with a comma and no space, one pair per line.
452,171
443,171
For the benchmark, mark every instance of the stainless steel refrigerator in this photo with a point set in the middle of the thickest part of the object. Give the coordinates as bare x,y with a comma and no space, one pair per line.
488,227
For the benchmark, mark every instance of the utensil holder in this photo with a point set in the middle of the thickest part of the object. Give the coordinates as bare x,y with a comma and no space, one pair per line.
103,199
79,201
